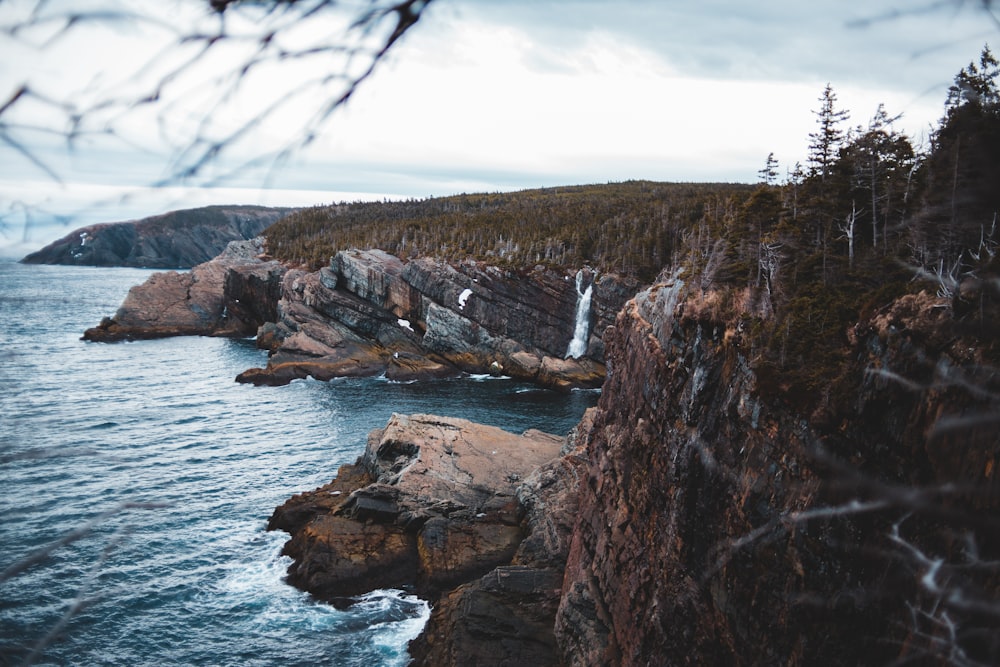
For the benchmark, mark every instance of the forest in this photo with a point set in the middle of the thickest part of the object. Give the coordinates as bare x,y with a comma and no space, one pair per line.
868,217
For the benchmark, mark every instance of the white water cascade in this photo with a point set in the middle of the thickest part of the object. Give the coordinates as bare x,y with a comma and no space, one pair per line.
578,346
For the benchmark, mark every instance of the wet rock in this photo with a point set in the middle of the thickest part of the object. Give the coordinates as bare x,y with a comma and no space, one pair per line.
502,619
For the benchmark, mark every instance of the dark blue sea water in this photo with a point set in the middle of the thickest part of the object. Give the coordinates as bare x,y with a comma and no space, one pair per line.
150,474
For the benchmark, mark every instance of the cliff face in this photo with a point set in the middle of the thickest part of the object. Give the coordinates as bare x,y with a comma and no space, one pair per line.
369,313
179,239
716,526
695,517
232,295
698,516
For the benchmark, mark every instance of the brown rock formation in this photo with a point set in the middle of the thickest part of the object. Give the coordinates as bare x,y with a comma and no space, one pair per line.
507,616
370,313
232,295
449,507
431,504
698,518
716,526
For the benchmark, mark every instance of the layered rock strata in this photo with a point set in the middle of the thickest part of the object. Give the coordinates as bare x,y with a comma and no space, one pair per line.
369,313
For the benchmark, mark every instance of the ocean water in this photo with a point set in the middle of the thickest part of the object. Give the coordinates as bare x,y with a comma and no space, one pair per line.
136,480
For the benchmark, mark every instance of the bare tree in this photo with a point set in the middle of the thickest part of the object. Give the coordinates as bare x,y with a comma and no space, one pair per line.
202,86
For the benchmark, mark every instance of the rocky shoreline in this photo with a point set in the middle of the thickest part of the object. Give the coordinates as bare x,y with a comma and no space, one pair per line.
697,515
466,515
692,519
370,313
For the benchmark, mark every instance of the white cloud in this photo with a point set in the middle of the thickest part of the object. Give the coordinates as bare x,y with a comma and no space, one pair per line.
498,96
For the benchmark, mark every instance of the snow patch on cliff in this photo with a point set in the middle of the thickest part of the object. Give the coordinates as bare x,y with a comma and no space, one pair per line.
463,297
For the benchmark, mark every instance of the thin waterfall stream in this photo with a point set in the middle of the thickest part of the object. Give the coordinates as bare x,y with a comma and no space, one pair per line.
578,346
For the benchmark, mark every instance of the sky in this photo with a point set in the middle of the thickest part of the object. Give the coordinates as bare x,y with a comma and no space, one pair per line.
480,96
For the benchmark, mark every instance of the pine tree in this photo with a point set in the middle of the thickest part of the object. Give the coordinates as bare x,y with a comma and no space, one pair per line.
769,174
824,144
793,183
961,195
879,160
976,85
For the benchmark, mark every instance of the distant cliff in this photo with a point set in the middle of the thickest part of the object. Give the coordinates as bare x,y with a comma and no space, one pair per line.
370,313
179,239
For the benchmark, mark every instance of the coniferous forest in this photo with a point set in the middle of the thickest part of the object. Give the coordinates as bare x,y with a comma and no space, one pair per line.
803,254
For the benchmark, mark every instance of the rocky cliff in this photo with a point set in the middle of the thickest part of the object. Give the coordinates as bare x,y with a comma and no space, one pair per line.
697,516
702,514
717,525
370,313
232,295
179,239
471,517
431,503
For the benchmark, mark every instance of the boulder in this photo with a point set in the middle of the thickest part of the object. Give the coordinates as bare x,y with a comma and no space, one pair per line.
434,505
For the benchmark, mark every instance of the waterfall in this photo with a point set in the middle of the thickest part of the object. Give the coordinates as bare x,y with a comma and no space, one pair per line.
578,346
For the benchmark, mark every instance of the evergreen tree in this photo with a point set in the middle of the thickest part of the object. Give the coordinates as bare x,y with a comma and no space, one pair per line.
824,144
879,162
962,196
793,184
769,174
975,85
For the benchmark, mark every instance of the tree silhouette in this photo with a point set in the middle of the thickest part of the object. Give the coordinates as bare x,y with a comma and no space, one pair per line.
823,143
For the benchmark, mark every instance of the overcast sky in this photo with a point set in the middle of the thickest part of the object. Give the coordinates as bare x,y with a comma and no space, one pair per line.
480,96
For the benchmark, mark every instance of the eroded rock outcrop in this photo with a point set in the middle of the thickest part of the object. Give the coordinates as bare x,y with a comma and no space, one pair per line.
369,313
432,503
507,616
232,295
477,519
